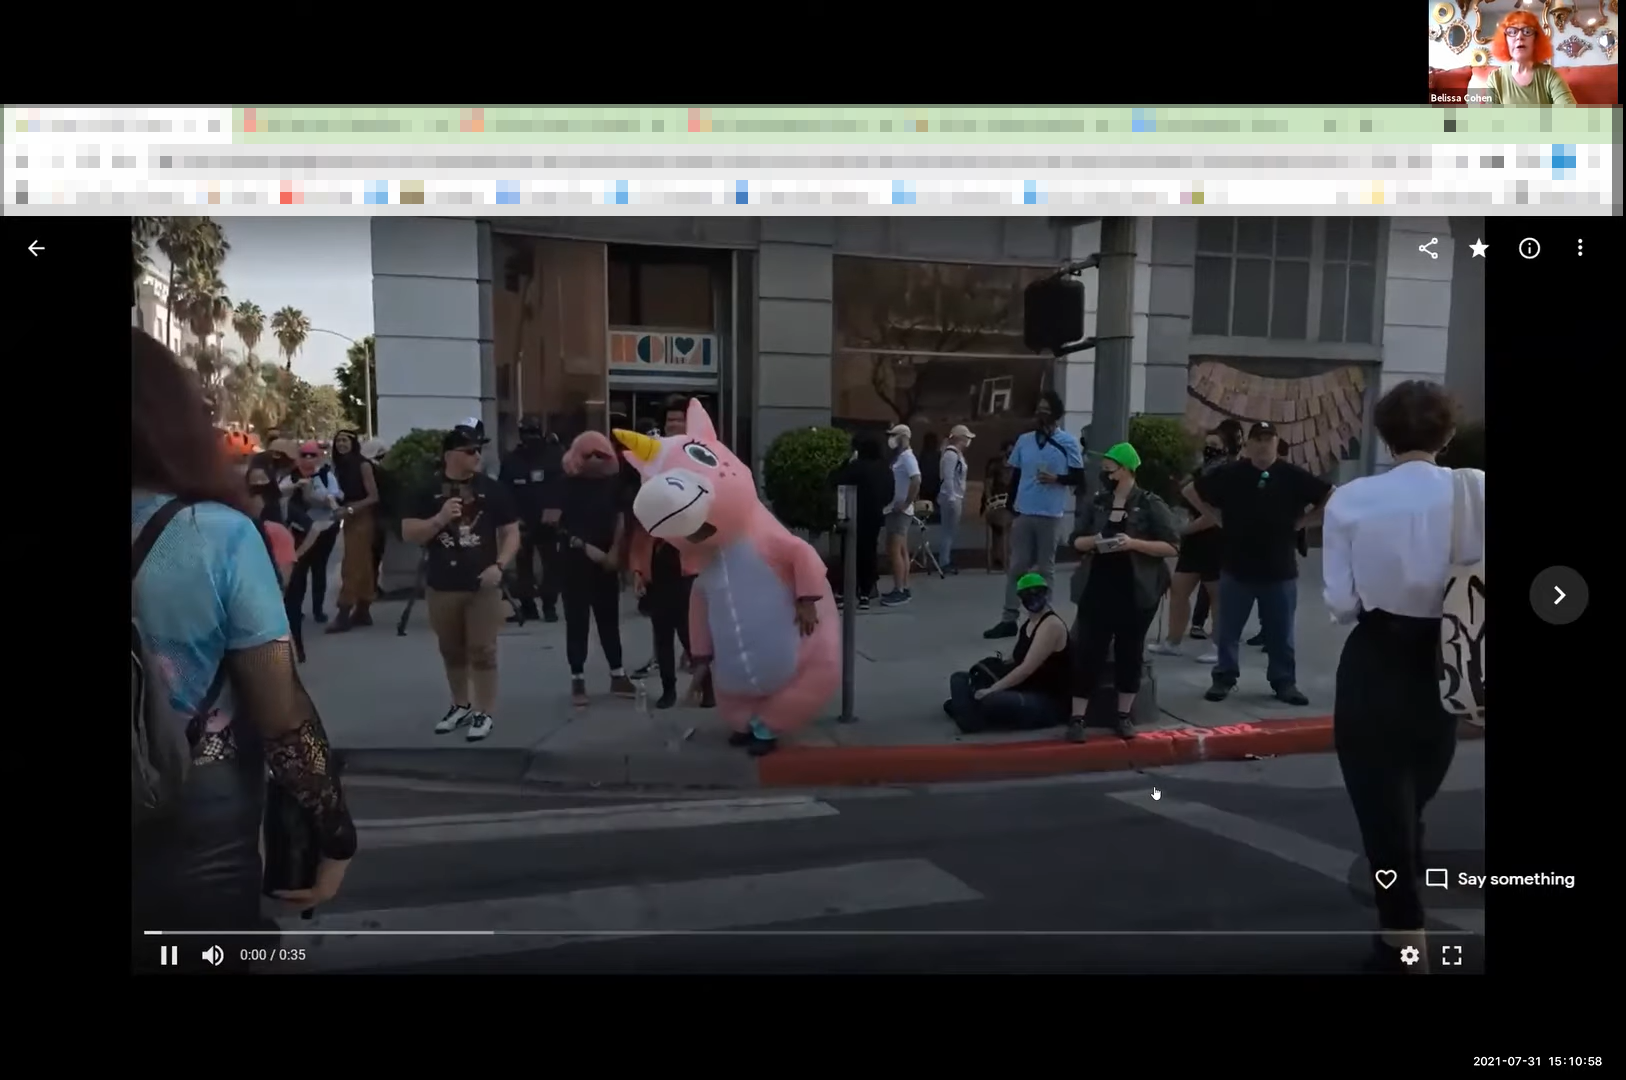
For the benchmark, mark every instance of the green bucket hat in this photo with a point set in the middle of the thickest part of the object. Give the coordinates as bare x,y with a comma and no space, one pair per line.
1031,581
1125,455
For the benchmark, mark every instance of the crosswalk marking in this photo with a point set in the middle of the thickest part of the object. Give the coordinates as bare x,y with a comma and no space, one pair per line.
1324,859
573,820
350,940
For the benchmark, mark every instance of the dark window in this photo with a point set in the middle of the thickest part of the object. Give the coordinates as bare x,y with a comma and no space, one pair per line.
1349,281
666,289
1253,277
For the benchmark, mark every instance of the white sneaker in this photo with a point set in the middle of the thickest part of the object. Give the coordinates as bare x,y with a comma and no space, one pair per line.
1209,657
480,725
1164,648
455,717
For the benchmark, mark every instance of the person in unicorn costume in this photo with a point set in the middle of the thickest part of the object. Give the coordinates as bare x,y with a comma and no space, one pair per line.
762,620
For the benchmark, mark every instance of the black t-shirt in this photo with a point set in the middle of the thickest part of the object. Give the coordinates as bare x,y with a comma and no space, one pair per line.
591,506
459,553
1261,509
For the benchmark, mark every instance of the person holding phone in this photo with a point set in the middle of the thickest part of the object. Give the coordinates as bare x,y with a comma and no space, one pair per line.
470,530
1125,537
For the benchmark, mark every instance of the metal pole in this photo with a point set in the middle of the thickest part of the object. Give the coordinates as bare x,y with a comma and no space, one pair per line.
847,509
1115,333
367,385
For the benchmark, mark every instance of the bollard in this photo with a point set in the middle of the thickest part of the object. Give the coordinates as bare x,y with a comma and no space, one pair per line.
847,516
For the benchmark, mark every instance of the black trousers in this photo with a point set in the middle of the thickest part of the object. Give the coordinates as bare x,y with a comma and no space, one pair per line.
1118,629
537,543
200,870
1395,742
590,594
669,618
310,573
868,538
1005,710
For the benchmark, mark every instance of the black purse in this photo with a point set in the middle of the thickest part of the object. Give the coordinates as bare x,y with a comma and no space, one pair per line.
987,671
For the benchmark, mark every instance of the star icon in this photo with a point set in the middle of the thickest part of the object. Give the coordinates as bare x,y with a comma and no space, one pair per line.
1478,248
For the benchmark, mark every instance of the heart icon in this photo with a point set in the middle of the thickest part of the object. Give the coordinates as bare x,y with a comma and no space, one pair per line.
1384,878
684,345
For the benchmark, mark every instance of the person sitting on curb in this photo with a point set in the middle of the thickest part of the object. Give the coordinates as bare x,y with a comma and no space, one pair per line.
1033,692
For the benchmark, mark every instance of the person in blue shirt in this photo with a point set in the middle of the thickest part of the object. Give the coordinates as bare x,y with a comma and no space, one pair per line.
208,607
1047,464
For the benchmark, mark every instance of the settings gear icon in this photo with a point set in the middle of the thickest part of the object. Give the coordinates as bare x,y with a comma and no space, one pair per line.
1409,955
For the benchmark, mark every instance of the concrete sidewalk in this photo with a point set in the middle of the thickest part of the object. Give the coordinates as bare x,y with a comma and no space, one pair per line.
381,694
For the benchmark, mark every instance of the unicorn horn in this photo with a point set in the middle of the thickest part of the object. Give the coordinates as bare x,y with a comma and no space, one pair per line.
641,446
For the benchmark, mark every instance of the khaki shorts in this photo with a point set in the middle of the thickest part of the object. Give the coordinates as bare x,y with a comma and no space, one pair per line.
897,524
466,625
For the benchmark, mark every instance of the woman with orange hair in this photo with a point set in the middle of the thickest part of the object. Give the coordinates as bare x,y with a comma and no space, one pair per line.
1527,76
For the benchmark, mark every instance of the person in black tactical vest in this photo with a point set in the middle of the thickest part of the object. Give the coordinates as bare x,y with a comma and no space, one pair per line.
533,471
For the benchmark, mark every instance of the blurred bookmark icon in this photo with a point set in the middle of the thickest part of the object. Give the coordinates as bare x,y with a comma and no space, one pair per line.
1428,248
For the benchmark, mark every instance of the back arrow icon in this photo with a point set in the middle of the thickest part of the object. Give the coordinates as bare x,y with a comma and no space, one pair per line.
1561,595
34,249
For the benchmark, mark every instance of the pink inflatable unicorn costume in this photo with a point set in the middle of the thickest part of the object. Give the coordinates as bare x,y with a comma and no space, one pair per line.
761,613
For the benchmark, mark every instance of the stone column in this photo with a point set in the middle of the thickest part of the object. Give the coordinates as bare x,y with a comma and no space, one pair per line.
795,326
432,322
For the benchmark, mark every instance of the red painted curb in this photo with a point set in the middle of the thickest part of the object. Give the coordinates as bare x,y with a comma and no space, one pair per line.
852,765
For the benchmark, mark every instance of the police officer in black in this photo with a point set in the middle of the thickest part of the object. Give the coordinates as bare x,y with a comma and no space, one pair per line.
533,471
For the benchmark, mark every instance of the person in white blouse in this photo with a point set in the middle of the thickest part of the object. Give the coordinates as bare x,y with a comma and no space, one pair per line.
1386,558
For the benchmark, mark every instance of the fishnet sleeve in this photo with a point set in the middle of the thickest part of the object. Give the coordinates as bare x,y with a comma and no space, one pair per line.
267,693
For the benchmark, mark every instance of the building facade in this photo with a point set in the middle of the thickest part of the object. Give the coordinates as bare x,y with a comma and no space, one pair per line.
780,323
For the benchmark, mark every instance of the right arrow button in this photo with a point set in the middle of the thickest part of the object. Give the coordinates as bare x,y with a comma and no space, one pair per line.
1559,595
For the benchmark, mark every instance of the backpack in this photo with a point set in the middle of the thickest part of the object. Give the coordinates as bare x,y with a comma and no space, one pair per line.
160,740
1462,627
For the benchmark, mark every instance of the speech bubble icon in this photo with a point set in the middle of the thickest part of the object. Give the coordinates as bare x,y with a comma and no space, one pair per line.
1437,878
1385,878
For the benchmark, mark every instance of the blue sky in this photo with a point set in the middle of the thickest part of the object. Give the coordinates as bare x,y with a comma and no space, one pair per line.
322,266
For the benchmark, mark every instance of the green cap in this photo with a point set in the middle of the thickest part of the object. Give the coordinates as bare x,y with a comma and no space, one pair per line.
1031,581
1125,455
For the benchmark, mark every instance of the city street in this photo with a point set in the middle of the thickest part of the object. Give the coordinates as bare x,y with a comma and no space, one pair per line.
1247,866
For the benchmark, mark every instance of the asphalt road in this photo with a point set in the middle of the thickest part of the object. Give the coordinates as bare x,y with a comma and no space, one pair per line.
1245,867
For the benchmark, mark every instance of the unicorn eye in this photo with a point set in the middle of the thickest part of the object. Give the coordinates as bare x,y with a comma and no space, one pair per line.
699,453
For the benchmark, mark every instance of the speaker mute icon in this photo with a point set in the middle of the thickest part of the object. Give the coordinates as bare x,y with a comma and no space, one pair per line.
169,956
214,955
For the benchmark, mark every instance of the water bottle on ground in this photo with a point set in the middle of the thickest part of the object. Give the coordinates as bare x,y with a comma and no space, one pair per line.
641,696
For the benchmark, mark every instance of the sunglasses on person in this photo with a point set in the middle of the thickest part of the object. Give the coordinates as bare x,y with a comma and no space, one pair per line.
472,451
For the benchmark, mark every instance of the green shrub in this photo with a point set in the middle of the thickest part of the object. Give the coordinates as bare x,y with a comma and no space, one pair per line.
1467,449
411,466
796,476
1168,452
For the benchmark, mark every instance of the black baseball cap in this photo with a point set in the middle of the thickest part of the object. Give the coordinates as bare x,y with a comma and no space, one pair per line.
1264,429
530,425
463,437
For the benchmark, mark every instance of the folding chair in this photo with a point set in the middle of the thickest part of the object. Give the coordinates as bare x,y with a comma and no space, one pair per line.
922,557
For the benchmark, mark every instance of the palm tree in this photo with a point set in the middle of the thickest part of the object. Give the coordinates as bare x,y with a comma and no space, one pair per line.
143,231
200,300
249,322
185,241
290,327
243,389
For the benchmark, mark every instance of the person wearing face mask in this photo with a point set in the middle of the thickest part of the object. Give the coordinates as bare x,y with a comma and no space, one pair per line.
900,512
1262,502
1230,433
951,493
1032,693
533,471
1198,565
1124,535
1046,463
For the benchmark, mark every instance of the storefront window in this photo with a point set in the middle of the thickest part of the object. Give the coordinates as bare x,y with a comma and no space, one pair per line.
661,288
550,330
933,345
